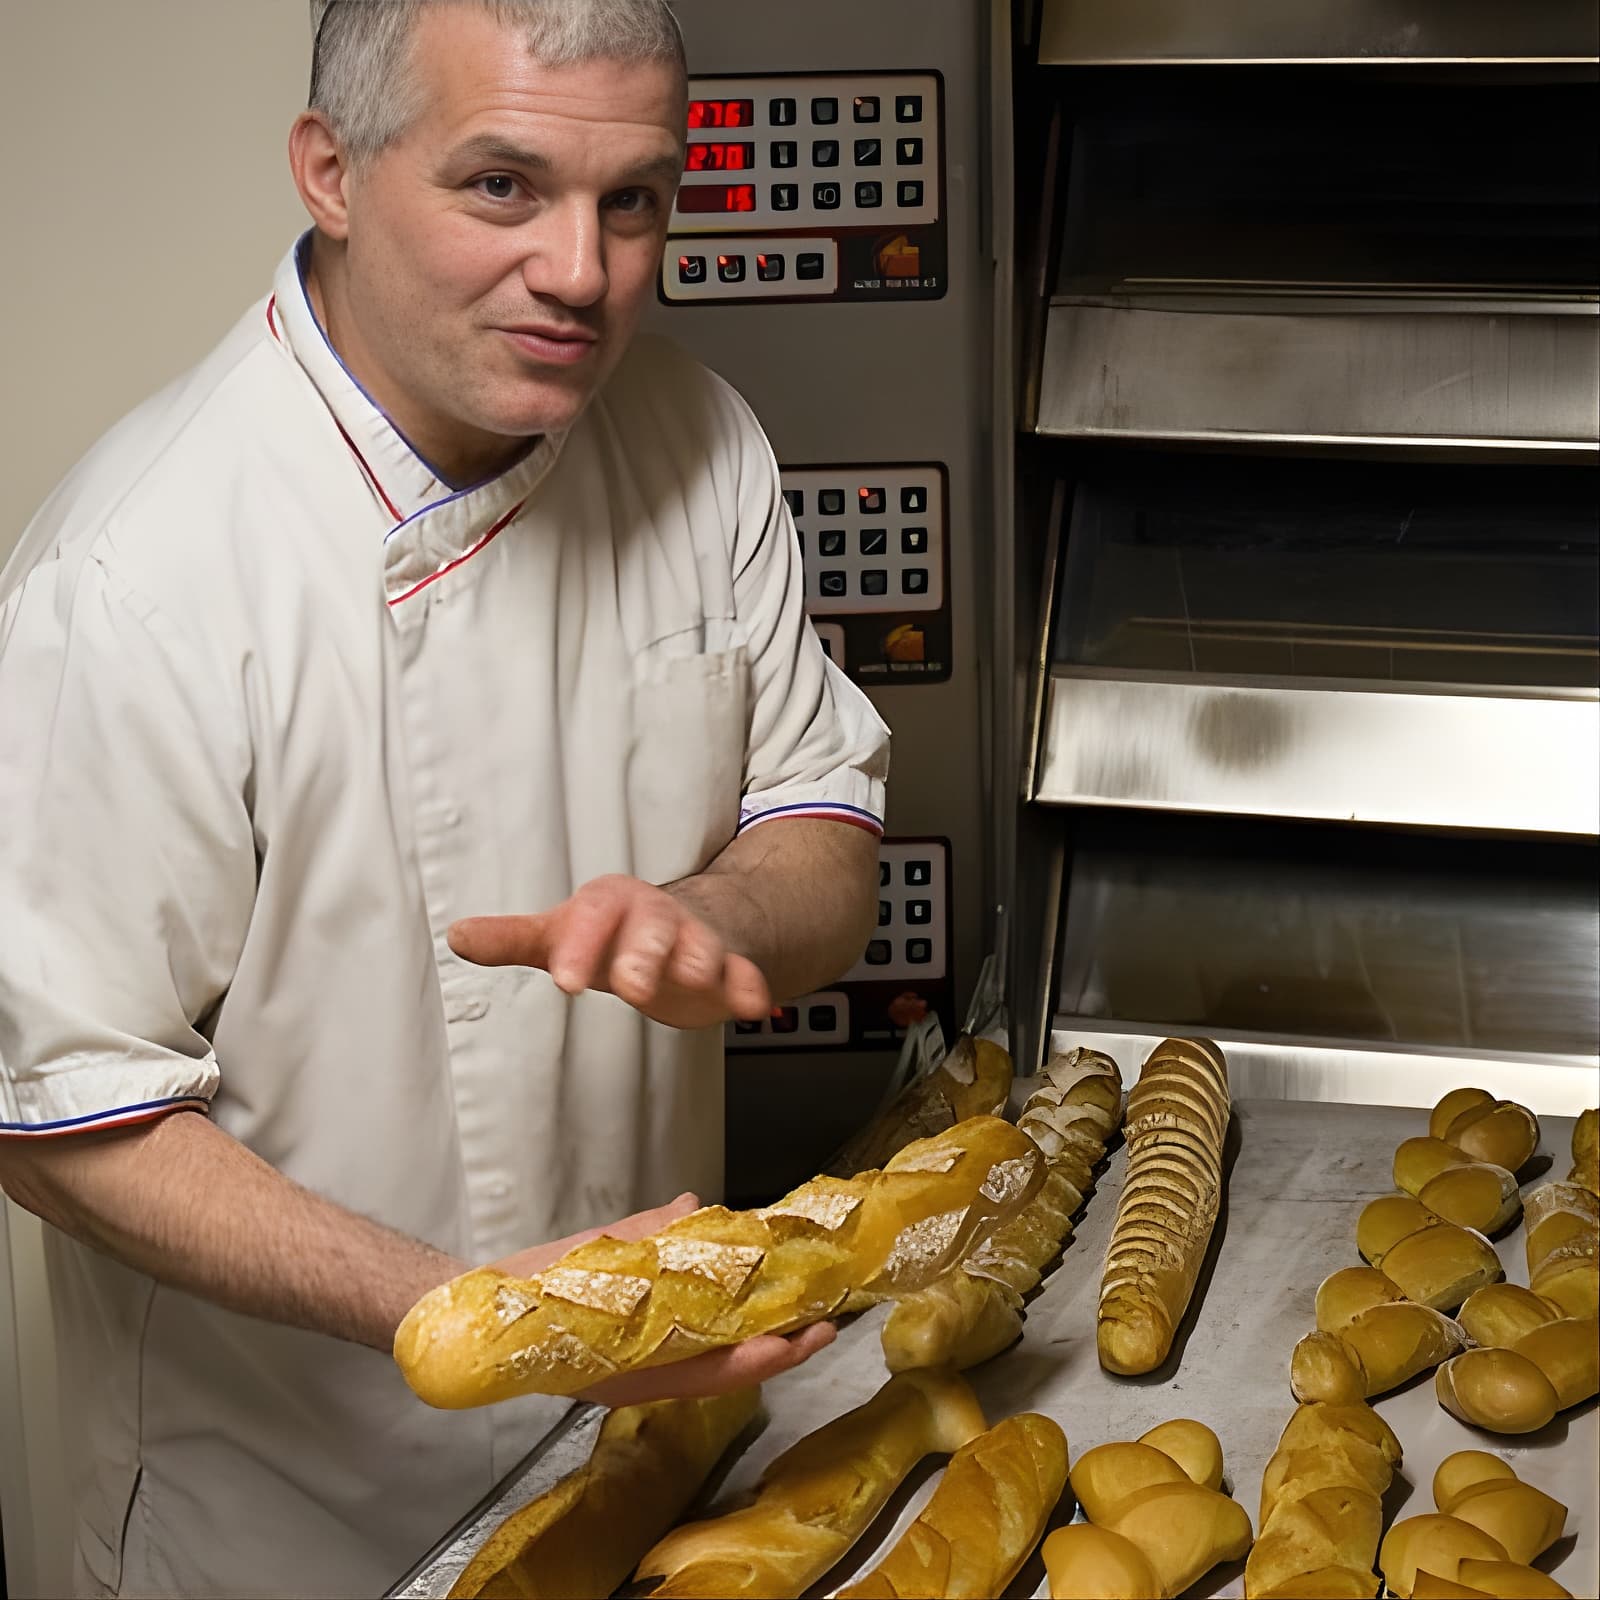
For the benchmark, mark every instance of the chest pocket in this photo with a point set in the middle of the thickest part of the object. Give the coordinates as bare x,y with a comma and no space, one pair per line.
686,759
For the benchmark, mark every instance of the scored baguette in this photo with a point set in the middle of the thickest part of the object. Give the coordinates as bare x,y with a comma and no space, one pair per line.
716,1276
584,1536
816,1499
1177,1120
976,1311
1586,1151
983,1521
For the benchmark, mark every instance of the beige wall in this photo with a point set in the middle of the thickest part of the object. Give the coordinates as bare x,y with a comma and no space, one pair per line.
144,198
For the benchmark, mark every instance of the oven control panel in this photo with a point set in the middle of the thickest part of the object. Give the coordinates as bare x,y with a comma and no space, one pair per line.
809,187
873,537
902,976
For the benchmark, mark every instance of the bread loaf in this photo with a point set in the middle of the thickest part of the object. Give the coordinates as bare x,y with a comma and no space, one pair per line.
816,1499
1177,1121
1500,1313
1183,1527
583,1537
983,1521
1486,1129
716,1276
974,1312
1085,1562
1563,1245
1520,1389
1506,1581
1486,1514
1586,1152
1322,1505
973,1080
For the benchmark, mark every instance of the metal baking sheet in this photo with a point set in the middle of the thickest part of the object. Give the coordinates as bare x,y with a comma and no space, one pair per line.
1299,1175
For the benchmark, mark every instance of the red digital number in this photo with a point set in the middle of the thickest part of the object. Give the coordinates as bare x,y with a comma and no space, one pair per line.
710,157
721,113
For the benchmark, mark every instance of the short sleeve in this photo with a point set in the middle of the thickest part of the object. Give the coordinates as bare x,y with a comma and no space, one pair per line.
816,746
127,859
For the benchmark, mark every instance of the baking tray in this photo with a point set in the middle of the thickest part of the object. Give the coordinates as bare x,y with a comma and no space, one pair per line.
1299,1173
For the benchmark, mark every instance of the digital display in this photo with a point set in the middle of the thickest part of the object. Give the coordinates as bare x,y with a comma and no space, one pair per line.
721,113
718,197
714,157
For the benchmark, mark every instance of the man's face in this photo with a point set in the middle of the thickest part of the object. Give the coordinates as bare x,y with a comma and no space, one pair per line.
501,251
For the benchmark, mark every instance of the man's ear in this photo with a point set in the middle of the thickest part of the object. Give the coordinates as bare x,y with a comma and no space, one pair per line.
321,173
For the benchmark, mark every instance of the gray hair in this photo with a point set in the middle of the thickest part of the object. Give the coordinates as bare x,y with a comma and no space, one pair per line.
361,77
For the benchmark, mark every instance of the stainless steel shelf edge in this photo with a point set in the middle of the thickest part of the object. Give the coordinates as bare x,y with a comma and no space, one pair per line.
1416,379
1268,1067
1495,762
1328,32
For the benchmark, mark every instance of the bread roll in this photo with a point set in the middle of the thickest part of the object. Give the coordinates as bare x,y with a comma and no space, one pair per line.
1496,1389
816,1499
716,1276
1501,1313
983,1521
1384,1222
1473,1195
1502,1132
1567,1352
1563,1247
1429,1586
1085,1562
973,1080
1434,1542
1586,1151
1177,1121
583,1537
1441,1266
1418,1161
1508,1581
974,1312
1452,1106
1192,1445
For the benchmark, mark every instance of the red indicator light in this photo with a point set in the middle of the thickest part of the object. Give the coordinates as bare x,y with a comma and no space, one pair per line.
761,263
721,113
708,156
716,197
722,261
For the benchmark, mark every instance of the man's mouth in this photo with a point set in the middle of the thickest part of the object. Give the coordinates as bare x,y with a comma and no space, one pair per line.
546,343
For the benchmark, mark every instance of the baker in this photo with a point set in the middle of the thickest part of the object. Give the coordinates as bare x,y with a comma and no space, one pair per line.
432,593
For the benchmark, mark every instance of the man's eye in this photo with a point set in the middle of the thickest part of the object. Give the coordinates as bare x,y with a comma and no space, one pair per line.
633,200
499,186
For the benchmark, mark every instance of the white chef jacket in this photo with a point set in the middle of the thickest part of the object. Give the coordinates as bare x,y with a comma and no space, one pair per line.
277,704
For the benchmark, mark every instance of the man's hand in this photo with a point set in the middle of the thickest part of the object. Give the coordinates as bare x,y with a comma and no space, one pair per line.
630,939
717,1371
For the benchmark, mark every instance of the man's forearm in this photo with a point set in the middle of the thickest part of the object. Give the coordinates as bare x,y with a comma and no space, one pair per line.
795,895
184,1202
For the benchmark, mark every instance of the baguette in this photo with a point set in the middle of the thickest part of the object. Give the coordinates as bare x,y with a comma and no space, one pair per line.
983,1521
716,1276
974,1312
1586,1152
1137,1491
583,1537
973,1080
1322,1505
818,1497
1177,1121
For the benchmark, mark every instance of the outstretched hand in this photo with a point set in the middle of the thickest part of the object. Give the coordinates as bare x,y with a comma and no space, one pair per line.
738,1366
628,938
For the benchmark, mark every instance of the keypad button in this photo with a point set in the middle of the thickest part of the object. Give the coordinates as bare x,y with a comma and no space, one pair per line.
883,874
795,499
914,580
909,193
879,952
874,541
830,502
730,269
786,197
822,1019
786,1019
872,501
785,153
919,952
908,108
830,542
919,912
824,110
825,196
869,196
908,152
769,268
782,113
875,580
691,269
918,874
866,108
913,498
824,152
808,264
869,152
885,913
831,584
913,541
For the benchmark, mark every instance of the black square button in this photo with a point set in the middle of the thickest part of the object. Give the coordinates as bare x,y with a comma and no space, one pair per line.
832,584
808,264
785,153
914,498
885,912
869,196
795,499
830,542
908,152
769,268
874,541
866,109
872,501
826,110
919,952
908,108
822,1019
914,580
824,152
909,192
825,196
786,197
875,580
691,269
919,912
919,874
868,152
830,502
879,952
913,541
883,874
781,113
730,269
786,1019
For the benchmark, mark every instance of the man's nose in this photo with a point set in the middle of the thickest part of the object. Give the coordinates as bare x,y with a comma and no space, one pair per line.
568,261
